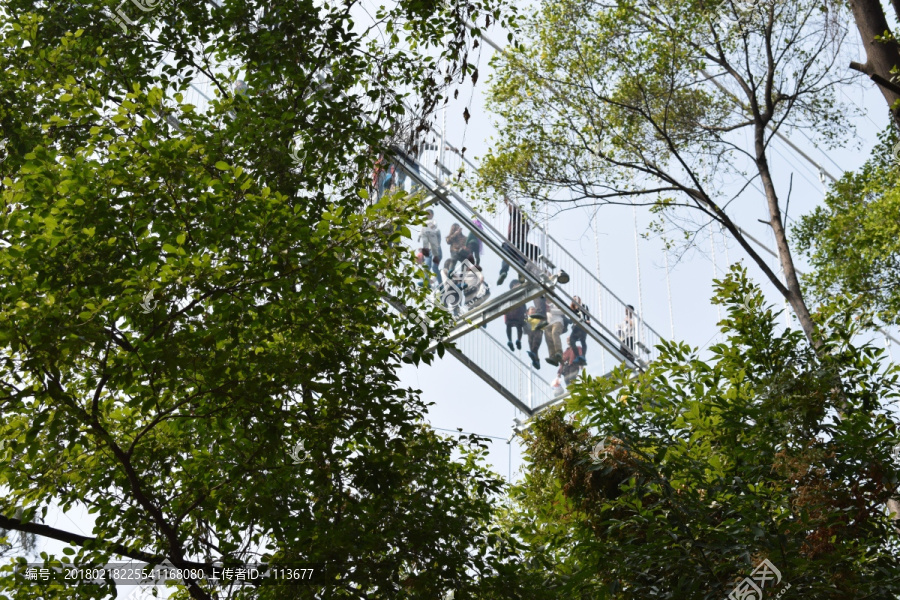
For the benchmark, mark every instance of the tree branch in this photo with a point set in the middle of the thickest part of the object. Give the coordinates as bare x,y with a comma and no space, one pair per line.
76,539
866,70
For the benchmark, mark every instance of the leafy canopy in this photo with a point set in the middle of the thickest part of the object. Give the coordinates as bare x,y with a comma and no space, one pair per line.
181,307
615,101
711,465
853,241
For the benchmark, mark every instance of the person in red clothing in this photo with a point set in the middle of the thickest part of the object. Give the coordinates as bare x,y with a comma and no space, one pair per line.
570,366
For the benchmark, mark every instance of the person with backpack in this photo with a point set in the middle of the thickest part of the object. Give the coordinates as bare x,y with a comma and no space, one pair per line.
537,318
514,319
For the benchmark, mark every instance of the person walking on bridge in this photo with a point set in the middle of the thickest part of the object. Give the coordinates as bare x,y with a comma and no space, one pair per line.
431,238
553,334
535,337
473,244
626,332
571,365
459,252
579,333
514,319
516,233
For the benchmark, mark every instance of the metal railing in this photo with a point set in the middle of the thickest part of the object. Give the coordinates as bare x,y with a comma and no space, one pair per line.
526,245
533,250
506,369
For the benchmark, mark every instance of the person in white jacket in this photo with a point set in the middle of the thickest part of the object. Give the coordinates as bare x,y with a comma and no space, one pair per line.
430,238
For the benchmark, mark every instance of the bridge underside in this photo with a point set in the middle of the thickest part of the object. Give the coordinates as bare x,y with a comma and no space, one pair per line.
553,274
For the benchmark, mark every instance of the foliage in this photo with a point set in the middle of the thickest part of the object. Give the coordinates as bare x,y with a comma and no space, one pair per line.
180,308
712,465
853,242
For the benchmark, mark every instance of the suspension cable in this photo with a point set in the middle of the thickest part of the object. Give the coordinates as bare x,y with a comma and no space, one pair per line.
669,292
712,245
596,229
637,261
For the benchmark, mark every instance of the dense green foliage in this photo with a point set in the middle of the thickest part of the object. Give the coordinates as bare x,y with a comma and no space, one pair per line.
713,465
181,309
853,241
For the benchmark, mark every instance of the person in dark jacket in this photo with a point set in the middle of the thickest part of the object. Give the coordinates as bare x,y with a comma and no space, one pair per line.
517,232
515,319
579,333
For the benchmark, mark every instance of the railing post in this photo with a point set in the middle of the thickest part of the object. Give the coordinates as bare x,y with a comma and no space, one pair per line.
531,389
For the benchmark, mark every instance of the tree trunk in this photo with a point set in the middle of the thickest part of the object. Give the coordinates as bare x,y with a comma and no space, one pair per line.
791,281
881,57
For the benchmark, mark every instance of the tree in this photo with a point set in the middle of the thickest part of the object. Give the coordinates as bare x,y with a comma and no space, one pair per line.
192,344
677,482
853,242
644,103
882,50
